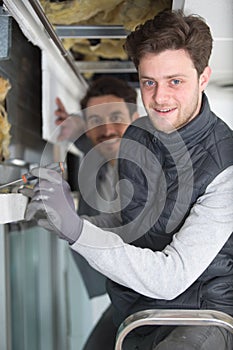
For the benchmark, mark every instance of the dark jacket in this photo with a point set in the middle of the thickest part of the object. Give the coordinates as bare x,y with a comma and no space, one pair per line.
169,173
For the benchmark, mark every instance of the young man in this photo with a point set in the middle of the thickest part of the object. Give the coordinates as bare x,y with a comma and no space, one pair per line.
108,107
176,176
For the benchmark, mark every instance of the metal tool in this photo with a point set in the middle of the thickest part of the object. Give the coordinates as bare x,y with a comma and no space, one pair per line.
28,177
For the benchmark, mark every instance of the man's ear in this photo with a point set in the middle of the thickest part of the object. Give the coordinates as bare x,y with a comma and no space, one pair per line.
87,132
135,116
205,77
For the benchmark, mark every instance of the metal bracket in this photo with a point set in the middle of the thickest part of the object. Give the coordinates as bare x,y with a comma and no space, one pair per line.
5,33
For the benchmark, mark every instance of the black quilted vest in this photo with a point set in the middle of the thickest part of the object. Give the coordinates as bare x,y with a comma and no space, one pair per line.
167,174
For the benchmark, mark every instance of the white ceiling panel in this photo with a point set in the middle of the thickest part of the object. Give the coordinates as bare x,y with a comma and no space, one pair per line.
219,16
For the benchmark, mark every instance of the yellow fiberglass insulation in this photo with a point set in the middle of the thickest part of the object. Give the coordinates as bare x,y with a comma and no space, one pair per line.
128,13
4,124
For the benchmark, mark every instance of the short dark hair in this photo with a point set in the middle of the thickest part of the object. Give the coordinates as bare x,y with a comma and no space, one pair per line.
172,30
107,85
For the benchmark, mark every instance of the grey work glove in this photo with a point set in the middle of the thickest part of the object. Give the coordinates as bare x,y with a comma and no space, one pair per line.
52,205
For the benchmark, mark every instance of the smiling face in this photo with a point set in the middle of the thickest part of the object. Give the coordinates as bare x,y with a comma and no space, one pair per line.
107,118
171,89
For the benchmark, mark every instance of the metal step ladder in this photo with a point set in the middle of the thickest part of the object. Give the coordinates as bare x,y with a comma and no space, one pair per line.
172,317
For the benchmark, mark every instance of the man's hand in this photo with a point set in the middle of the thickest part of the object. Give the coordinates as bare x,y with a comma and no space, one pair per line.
60,112
52,205
72,127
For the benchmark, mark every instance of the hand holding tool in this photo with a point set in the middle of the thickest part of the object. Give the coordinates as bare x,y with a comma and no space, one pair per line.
28,177
52,205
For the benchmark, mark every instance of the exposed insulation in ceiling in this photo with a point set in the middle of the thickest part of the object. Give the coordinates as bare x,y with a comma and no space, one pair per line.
106,48
4,124
128,13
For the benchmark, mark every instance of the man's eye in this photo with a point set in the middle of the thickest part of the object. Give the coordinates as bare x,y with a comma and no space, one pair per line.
149,83
176,81
95,120
116,118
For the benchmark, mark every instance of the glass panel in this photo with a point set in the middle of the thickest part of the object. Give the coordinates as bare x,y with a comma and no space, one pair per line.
31,288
